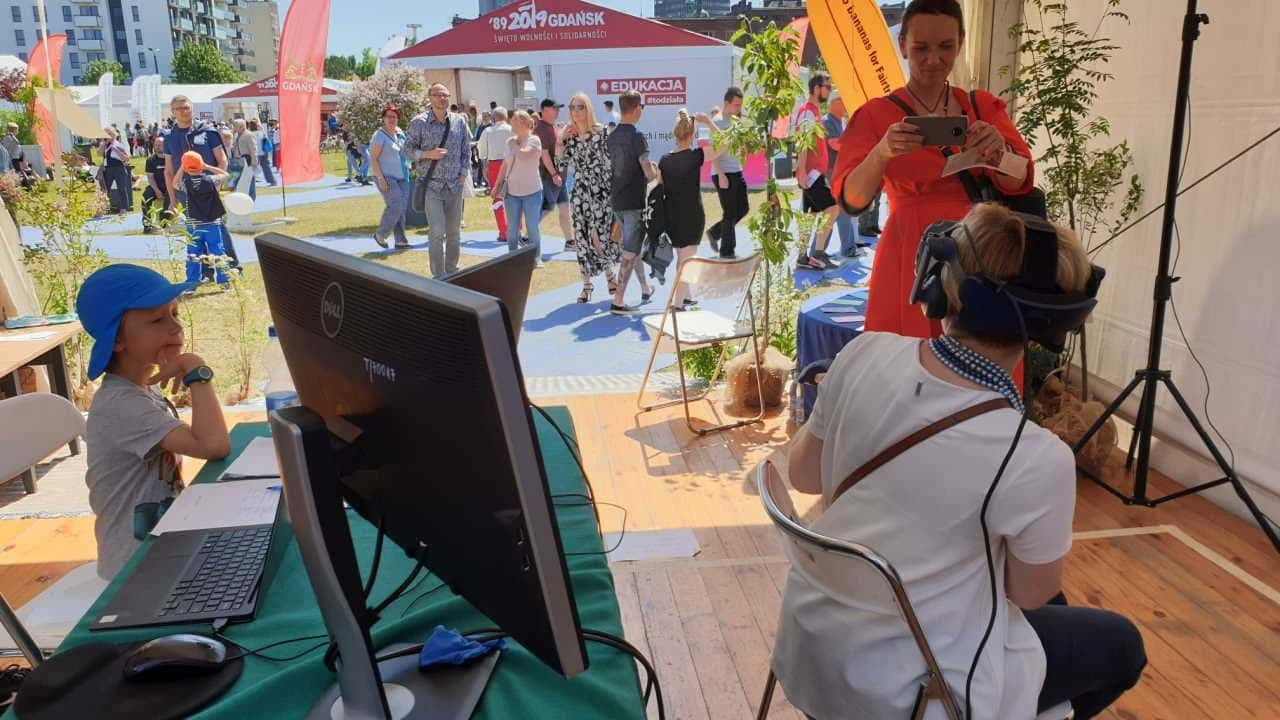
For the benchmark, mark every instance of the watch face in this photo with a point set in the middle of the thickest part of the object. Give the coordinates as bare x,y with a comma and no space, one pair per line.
205,372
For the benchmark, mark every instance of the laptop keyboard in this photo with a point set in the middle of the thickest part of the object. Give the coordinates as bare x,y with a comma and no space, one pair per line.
224,574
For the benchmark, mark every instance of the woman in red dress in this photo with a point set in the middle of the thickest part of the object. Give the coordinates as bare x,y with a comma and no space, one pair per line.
879,150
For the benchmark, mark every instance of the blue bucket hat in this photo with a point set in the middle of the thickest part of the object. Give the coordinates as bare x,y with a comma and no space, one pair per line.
108,293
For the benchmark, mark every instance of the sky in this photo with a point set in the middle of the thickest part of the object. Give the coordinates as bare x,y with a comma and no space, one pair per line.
357,24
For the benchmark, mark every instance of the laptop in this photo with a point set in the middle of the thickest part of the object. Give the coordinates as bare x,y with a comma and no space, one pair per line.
198,576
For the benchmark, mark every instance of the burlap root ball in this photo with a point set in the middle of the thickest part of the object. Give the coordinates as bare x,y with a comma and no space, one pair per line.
740,381
1071,423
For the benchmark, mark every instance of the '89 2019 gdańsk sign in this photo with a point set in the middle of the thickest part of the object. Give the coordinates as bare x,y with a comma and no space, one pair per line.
526,23
653,90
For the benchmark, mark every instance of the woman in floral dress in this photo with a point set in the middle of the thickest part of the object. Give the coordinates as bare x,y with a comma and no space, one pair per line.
583,140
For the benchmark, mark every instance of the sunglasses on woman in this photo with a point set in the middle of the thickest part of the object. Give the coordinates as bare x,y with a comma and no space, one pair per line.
577,107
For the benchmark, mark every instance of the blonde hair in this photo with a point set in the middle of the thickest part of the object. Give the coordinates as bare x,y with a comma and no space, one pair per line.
590,111
994,246
684,128
520,116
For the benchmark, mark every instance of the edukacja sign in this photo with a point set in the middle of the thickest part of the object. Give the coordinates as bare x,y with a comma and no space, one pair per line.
653,90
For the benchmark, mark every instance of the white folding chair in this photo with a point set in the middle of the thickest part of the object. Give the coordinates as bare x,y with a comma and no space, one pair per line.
818,557
680,332
31,427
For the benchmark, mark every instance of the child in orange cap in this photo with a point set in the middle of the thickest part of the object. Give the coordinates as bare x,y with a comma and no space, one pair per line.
204,212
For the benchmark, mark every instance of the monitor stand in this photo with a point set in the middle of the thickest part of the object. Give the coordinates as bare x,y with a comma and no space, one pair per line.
366,689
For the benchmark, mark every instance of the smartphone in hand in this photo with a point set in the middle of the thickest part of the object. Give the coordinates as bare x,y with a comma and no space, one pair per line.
940,130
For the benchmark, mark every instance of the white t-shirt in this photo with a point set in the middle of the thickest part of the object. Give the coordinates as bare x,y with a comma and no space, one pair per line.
492,145
854,656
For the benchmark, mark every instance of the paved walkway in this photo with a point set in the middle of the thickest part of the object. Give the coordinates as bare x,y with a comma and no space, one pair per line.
607,344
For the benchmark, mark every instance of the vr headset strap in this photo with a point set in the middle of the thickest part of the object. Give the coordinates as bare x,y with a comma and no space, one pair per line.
914,439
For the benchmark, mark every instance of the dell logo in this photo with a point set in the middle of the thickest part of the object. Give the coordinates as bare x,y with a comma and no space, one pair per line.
331,310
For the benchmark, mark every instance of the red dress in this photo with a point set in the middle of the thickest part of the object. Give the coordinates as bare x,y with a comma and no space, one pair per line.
918,197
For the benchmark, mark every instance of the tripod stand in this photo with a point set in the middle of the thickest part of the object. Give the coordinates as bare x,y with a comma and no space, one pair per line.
1152,377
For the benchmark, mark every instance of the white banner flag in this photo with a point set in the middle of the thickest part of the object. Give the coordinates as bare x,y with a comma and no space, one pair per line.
136,104
149,102
104,98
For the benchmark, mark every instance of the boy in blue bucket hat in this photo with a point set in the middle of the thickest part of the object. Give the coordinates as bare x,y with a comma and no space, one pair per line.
134,436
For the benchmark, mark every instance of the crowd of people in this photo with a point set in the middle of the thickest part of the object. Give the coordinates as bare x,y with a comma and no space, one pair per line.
594,173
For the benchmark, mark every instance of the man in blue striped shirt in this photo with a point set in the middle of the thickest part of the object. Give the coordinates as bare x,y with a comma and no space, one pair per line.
439,143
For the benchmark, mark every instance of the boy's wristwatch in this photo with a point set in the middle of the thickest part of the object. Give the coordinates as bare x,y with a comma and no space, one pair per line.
203,373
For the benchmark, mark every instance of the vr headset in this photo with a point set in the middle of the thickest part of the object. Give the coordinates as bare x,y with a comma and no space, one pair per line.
1003,310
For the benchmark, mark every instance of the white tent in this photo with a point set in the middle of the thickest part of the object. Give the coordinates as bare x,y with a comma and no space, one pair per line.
202,99
569,46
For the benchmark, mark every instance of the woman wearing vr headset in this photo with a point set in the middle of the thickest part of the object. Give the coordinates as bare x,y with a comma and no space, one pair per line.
880,151
986,501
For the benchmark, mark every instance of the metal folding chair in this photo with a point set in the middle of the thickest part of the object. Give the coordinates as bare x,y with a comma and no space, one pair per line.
813,555
680,332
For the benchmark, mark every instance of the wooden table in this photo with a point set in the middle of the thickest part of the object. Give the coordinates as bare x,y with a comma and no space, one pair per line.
48,352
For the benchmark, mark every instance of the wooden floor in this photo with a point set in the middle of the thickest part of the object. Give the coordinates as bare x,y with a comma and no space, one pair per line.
1202,585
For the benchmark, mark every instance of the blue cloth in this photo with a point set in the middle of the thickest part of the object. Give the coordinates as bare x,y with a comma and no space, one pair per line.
818,337
201,137
206,240
530,208
108,293
392,161
449,647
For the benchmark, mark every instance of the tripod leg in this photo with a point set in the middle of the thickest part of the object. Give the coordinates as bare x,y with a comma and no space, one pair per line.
1224,465
1133,442
1111,410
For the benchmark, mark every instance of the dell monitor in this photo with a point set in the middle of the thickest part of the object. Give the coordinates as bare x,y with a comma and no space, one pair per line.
417,385
505,277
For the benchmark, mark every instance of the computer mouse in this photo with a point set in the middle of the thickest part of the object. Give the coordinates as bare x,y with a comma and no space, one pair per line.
175,656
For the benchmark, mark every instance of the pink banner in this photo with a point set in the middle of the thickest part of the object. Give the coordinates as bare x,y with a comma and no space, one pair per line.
36,68
301,81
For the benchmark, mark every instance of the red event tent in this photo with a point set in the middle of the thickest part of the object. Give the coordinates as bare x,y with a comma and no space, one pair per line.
570,46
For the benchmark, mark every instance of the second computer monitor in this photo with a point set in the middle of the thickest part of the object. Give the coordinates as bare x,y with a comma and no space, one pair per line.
505,277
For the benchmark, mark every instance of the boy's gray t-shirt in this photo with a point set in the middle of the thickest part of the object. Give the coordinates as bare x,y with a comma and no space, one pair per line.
126,465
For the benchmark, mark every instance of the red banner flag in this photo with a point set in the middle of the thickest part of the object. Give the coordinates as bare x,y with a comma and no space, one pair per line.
36,68
300,75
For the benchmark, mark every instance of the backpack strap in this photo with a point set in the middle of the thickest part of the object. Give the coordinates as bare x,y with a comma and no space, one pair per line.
914,439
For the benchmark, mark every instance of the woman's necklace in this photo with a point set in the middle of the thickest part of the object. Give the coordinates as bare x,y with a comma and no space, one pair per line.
944,99
975,368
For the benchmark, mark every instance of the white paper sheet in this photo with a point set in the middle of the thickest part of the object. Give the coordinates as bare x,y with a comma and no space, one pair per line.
1011,164
652,544
257,458
227,504
23,337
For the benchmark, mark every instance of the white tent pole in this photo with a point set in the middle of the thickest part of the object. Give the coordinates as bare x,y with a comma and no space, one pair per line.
55,132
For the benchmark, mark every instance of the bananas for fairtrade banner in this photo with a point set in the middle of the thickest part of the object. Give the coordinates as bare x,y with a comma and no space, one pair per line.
859,50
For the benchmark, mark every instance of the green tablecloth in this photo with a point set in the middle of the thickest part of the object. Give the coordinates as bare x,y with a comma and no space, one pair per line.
521,686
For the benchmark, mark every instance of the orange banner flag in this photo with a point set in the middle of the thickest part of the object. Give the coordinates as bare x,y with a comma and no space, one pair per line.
859,50
36,68
300,81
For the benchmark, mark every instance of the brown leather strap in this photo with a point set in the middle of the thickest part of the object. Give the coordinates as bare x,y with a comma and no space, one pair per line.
916,438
